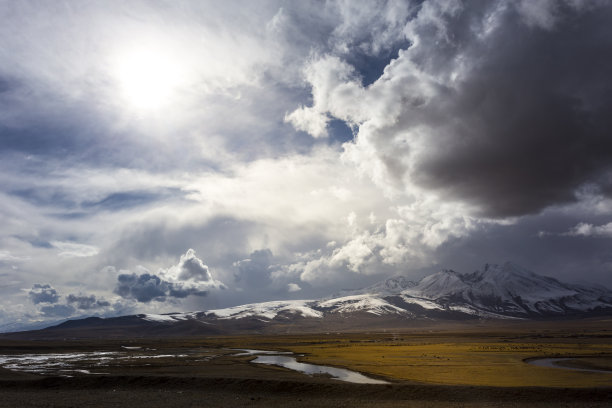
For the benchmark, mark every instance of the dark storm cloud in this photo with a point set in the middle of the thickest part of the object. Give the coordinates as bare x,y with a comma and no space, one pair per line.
85,302
529,123
143,288
503,105
147,287
43,293
570,258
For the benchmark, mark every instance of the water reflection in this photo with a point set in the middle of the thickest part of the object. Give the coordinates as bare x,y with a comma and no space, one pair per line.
310,369
251,352
556,363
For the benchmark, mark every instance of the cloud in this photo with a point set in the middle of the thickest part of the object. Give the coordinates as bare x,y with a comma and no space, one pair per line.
190,267
293,287
43,293
539,13
587,230
57,310
309,120
86,302
410,238
189,278
322,145
334,84
467,111
144,287
262,276
385,23
74,250
254,272
47,299
6,256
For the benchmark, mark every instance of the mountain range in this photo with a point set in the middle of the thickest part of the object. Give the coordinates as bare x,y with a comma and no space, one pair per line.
506,291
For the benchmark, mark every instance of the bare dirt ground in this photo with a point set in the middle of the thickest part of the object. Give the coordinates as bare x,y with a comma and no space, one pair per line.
198,392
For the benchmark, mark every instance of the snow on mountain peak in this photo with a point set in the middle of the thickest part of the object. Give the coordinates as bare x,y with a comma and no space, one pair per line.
267,310
440,282
507,288
498,291
360,303
390,286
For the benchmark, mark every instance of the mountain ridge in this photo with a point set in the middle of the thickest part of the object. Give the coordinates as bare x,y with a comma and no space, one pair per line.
506,291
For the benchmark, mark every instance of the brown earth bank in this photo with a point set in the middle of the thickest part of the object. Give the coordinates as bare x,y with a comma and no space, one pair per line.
149,391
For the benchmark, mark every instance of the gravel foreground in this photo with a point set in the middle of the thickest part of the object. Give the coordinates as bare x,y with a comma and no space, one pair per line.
153,392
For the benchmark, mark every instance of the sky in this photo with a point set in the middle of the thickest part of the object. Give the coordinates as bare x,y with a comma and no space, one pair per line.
165,156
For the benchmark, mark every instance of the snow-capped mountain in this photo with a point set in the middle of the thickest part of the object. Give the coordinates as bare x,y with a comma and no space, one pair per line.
267,310
497,291
364,303
390,286
510,290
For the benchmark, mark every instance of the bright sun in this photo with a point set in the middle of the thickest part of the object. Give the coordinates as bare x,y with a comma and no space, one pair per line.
147,79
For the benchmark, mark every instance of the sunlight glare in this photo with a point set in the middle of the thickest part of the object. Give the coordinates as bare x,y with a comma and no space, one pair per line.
148,79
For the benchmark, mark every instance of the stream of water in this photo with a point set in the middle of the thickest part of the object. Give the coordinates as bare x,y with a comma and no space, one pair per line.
341,374
554,363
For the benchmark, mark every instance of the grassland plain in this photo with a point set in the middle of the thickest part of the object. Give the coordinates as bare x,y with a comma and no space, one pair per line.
484,356
438,361
467,365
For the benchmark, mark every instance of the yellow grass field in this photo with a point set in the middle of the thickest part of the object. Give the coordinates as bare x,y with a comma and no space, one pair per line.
460,357
469,363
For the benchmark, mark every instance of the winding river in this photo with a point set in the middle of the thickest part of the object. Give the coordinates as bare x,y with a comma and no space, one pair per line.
555,363
341,374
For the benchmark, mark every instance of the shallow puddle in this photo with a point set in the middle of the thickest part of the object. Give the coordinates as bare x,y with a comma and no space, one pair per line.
52,363
60,363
